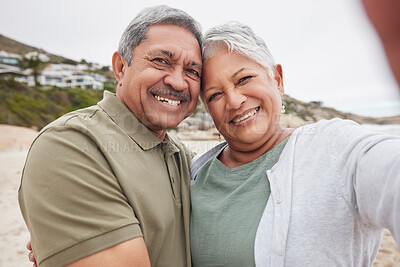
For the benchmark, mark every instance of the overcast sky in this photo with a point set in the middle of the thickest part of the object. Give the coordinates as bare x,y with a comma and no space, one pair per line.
328,49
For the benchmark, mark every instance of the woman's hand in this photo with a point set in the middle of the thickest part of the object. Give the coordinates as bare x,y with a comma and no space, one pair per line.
31,256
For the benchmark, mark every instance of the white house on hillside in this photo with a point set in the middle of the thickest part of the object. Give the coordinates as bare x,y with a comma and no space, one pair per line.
9,58
60,75
80,80
40,56
65,76
9,71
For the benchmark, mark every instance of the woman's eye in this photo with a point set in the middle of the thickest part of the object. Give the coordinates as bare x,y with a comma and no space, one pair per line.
213,96
244,79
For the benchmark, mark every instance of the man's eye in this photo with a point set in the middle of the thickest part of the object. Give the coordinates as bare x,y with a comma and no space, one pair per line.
160,60
194,72
213,96
244,79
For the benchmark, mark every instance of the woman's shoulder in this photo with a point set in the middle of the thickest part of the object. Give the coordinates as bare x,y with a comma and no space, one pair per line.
199,160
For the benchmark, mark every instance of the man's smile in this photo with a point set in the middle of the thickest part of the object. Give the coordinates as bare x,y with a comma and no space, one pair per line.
167,100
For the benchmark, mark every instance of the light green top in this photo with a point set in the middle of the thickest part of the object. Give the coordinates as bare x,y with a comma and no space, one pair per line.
97,177
227,205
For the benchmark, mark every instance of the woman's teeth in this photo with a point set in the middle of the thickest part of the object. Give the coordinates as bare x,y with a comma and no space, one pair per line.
167,101
247,115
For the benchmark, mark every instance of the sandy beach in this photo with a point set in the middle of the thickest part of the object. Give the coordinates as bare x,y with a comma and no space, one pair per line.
14,144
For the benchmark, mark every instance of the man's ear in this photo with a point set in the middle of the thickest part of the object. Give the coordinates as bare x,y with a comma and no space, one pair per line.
278,77
118,65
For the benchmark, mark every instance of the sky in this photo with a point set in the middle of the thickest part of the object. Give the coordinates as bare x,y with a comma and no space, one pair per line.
328,49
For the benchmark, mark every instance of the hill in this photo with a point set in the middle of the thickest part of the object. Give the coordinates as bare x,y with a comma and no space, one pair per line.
309,112
33,107
13,46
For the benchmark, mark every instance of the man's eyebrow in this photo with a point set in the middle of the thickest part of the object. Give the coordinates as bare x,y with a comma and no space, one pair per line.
197,66
167,53
161,52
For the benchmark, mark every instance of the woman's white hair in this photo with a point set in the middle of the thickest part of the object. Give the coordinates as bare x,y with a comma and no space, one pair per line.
238,38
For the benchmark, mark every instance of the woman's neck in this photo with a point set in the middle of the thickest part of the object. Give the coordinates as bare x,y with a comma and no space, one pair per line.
233,157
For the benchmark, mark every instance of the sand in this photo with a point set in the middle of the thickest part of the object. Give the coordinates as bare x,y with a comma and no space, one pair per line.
14,143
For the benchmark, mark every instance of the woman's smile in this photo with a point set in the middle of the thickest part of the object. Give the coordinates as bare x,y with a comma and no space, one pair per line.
245,116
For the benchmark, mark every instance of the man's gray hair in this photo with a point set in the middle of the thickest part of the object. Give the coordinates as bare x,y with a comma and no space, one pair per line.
238,38
136,31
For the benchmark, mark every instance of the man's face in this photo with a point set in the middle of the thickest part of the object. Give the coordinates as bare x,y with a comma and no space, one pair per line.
162,83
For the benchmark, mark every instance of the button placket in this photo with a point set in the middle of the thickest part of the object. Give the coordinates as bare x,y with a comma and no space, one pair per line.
173,176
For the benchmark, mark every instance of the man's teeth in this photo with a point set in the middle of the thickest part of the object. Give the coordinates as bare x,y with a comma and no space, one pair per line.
168,101
249,114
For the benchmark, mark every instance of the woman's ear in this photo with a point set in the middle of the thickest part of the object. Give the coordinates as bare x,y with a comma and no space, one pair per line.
278,77
118,66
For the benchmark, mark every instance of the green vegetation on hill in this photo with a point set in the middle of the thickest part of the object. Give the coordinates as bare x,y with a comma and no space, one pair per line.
32,107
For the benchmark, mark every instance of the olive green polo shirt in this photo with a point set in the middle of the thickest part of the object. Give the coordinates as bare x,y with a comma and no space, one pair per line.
97,177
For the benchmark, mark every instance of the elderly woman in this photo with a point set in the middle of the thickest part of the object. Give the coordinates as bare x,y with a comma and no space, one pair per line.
270,196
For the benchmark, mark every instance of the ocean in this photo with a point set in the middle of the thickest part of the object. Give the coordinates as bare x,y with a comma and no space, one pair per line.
376,109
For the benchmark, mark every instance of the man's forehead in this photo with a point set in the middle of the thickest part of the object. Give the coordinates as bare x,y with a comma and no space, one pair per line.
170,33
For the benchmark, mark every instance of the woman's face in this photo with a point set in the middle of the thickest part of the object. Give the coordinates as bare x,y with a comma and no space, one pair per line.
243,99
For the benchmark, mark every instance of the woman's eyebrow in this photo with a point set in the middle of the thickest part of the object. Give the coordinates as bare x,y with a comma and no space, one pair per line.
236,73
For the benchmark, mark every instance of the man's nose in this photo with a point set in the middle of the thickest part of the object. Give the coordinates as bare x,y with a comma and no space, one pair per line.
176,79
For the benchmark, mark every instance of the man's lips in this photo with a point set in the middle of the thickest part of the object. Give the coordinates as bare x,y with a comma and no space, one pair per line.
170,93
245,115
168,101
169,96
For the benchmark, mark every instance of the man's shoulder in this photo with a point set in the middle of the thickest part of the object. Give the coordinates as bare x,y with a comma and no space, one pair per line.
76,117
77,126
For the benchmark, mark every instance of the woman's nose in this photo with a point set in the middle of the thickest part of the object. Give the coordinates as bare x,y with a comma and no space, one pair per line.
235,99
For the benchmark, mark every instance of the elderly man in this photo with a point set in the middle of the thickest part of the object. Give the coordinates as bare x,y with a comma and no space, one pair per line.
106,185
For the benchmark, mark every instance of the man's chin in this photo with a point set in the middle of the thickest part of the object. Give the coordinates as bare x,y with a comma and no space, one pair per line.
164,124
159,121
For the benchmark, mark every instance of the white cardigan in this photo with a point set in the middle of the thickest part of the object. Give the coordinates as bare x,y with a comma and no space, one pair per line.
333,190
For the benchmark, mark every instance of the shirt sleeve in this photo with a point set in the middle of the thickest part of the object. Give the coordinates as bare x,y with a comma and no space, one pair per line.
377,185
70,199
372,166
